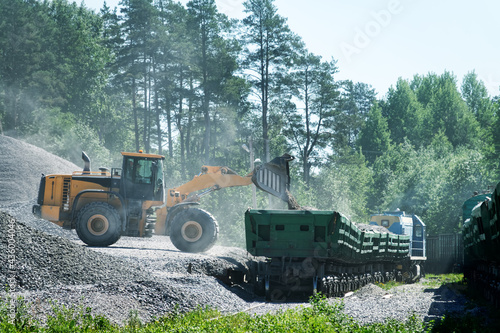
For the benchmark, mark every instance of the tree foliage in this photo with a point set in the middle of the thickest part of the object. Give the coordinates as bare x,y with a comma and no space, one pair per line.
190,83
375,137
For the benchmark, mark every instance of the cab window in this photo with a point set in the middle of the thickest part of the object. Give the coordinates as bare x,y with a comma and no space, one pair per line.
143,172
139,171
417,231
158,172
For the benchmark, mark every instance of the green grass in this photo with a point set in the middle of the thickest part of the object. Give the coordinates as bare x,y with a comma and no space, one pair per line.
461,323
438,280
431,280
321,316
389,284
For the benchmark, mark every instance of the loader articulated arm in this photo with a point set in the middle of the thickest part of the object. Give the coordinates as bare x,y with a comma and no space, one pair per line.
272,177
210,179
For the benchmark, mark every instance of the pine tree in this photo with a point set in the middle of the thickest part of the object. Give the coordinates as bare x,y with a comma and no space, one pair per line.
309,124
214,62
270,46
355,102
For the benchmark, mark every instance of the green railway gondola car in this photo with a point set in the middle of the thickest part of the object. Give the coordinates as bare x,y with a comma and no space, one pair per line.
481,238
324,251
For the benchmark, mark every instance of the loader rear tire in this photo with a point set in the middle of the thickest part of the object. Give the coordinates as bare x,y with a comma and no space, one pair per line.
98,224
194,230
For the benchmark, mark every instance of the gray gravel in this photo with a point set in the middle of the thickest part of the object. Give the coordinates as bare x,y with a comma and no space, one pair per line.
373,304
148,275
21,166
49,267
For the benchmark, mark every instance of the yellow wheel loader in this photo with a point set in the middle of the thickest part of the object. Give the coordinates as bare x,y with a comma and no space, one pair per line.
131,200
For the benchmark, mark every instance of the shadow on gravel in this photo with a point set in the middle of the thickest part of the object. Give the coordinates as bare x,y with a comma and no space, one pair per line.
452,311
445,301
133,248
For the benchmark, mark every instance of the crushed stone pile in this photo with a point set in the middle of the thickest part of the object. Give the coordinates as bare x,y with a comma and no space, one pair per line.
47,268
22,212
373,228
43,260
293,204
52,264
21,166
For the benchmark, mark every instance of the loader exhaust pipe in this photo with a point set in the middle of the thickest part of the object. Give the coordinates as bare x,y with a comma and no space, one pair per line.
86,159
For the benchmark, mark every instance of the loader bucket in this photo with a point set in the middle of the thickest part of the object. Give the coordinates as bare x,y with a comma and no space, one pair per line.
274,177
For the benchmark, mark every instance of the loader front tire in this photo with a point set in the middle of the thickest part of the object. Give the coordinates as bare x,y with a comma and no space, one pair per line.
98,224
194,230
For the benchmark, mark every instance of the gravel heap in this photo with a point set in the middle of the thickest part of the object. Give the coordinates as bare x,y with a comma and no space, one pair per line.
373,228
43,260
21,166
398,303
47,267
22,212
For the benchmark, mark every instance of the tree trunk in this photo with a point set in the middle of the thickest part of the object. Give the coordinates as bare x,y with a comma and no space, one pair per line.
208,130
305,167
157,113
134,112
178,119
305,176
265,96
145,134
189,123
206,99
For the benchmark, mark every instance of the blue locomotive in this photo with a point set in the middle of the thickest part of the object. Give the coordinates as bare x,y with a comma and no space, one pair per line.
401,223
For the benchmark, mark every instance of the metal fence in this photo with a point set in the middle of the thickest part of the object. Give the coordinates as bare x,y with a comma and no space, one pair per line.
445,253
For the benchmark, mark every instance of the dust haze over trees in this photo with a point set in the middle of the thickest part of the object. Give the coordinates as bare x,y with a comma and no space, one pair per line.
194,85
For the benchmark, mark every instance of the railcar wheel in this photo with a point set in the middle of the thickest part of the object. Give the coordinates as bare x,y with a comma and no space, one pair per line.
194,230
98,224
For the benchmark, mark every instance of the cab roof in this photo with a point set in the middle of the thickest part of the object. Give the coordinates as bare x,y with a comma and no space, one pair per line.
143,155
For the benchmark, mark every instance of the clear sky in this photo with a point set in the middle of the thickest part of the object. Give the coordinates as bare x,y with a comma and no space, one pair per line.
378,41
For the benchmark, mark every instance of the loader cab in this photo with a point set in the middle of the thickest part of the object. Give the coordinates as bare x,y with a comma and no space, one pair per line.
142,177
